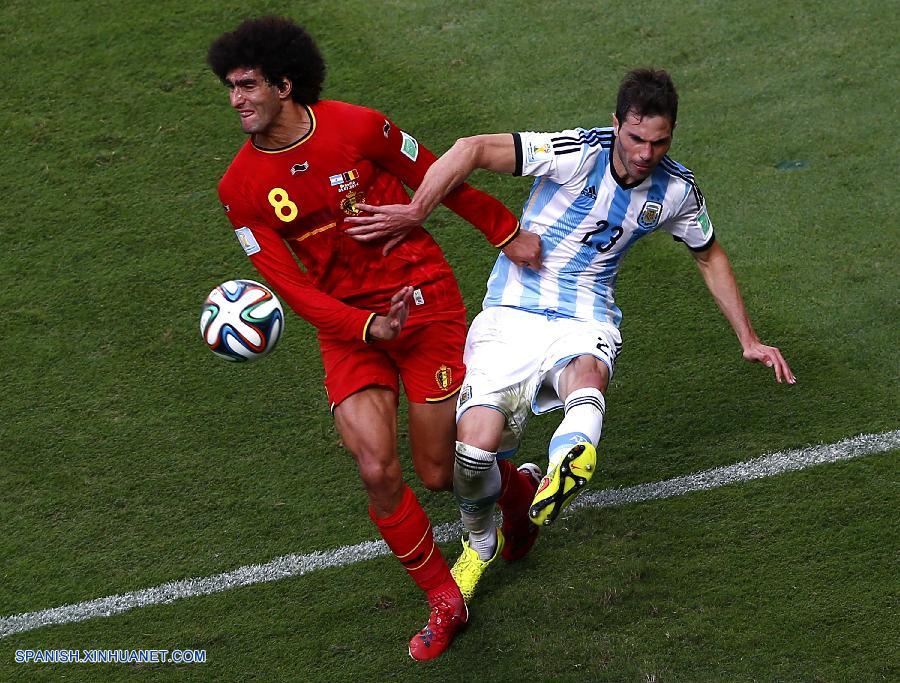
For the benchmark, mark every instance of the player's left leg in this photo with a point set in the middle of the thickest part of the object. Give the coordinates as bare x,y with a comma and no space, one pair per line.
582,385
429,358
572,450
432,438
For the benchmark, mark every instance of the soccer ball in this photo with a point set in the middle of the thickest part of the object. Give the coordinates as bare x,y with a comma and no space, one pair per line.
241,320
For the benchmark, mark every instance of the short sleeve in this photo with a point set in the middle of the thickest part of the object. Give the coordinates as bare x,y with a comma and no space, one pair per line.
691,223
559,157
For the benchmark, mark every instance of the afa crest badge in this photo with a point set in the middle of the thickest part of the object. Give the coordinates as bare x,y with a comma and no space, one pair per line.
649,215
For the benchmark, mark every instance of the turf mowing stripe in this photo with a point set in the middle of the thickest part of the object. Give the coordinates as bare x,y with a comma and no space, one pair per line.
298,565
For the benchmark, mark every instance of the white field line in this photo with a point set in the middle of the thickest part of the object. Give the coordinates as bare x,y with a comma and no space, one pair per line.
298,565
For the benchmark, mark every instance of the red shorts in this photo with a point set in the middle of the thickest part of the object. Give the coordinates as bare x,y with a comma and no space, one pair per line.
427,357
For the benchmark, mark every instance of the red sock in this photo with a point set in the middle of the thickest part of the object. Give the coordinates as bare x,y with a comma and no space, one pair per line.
516,491
408,534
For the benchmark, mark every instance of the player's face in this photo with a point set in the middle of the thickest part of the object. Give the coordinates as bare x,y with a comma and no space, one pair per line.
257,102
641,142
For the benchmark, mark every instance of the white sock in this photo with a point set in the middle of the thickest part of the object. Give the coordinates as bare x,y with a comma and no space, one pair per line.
476,484
583,422
484,542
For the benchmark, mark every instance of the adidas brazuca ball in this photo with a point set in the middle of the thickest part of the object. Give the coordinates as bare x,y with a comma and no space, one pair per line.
241,320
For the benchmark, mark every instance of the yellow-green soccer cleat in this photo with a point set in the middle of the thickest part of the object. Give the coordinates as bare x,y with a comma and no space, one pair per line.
469,567
560,486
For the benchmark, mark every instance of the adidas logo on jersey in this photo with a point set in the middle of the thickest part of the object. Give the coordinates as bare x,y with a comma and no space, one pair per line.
590,192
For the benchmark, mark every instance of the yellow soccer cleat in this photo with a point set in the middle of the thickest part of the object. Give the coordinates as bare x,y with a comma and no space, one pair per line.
560,486
469,567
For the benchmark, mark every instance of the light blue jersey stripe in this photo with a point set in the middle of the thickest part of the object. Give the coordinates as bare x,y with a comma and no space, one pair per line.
497,281
542,193
584,256
554,235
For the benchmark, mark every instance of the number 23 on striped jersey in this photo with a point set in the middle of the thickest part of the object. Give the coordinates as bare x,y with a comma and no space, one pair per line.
602,226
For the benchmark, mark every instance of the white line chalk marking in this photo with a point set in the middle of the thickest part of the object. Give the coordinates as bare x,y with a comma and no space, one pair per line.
298,565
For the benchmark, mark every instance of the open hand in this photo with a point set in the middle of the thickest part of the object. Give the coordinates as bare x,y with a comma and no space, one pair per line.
391,222
387,327
771,357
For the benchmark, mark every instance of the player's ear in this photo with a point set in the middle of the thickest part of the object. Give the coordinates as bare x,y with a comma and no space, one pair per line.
615,123
285,87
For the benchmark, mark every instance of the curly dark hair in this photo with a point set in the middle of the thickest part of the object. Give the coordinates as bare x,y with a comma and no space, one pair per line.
276,46
647,92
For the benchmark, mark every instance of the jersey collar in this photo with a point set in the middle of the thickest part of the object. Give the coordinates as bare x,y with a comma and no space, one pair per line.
296,143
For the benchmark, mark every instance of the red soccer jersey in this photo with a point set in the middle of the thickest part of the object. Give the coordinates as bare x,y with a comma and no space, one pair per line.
295,199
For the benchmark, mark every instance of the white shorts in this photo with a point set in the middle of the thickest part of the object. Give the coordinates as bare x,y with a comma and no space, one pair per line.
514,359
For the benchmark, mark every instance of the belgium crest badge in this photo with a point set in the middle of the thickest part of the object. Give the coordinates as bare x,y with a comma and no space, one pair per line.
443,377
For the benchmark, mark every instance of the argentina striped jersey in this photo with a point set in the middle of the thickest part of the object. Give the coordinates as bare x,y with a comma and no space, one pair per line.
587,219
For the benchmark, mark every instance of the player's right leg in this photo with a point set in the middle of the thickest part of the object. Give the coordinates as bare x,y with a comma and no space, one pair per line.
367,422
477,486
482,477
494,404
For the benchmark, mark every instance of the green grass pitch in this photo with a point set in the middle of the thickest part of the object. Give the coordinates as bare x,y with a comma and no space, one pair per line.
130,456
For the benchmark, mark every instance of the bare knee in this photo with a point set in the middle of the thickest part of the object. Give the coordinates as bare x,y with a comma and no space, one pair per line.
432,435
581,372
382,478
378,471
435,480
433,462
481,427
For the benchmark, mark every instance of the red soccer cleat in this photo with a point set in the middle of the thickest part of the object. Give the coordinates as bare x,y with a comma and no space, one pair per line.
448,615
520,533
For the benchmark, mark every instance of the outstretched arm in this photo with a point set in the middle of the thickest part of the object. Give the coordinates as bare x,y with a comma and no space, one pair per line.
719,277
494,152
